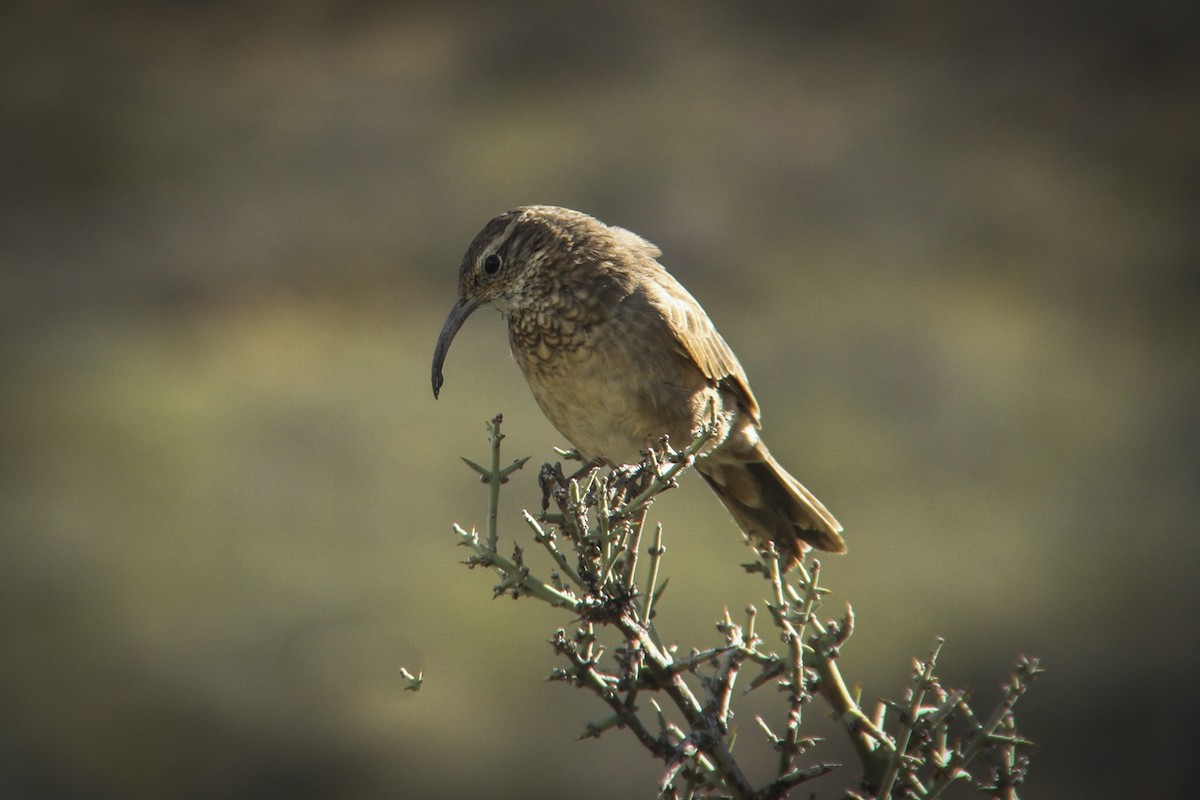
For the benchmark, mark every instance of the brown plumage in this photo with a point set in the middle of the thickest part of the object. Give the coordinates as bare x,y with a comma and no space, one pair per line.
618,353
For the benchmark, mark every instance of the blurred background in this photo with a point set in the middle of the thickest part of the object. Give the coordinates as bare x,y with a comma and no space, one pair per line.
954,246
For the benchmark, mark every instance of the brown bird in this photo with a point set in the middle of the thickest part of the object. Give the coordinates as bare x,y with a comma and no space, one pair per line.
618,353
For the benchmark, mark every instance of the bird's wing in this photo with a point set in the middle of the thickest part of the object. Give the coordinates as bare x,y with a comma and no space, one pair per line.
697,339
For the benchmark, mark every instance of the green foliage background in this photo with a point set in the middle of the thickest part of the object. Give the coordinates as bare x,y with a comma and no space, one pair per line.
954,246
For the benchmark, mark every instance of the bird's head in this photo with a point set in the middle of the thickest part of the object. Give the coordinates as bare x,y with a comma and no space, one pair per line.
515,262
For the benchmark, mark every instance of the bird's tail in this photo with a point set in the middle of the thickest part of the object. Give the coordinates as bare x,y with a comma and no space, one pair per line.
769,505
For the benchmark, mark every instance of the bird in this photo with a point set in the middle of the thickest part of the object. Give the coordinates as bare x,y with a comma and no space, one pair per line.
618,354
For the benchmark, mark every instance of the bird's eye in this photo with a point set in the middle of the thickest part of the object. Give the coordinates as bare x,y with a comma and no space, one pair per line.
491,264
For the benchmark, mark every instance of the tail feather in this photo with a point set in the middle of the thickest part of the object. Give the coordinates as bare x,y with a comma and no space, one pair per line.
769,505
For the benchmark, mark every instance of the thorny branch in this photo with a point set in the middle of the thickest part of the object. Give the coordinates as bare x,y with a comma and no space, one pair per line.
591,528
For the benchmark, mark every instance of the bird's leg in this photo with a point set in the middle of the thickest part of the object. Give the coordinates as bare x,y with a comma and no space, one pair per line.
550,479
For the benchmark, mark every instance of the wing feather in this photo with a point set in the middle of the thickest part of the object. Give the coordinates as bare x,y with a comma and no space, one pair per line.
697,339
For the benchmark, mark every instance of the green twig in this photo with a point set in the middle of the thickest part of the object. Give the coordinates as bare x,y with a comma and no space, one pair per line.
922,680
655,552
494,477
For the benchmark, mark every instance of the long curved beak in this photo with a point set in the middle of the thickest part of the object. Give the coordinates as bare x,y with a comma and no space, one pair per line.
458,315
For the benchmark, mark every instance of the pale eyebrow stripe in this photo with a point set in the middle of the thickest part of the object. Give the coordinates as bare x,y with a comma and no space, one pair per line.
502,239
